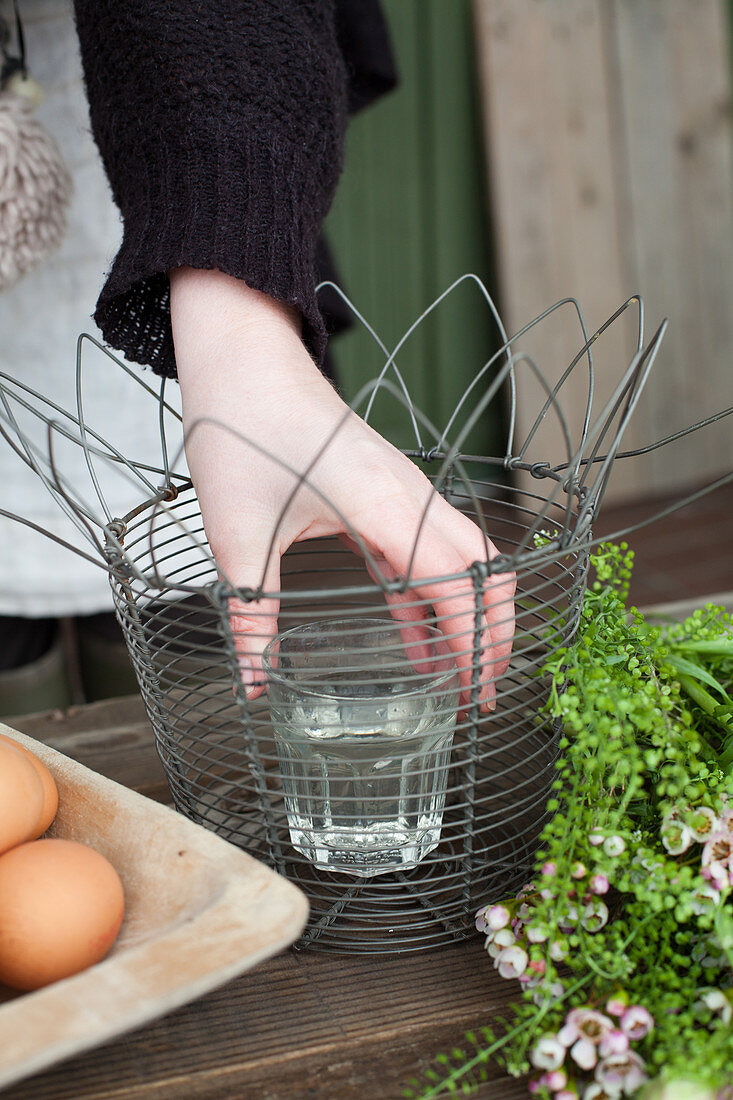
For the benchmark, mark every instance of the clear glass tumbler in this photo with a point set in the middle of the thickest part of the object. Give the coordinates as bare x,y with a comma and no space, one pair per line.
363,712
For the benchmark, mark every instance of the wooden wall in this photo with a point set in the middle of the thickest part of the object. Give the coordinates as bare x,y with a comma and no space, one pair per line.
608,139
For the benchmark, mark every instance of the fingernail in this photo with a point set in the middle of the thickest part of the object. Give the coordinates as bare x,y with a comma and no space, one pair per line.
489,701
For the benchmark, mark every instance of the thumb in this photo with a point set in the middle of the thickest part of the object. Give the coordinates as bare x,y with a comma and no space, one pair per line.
253,623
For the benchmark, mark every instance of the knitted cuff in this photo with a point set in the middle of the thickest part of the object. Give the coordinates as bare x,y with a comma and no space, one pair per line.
250,208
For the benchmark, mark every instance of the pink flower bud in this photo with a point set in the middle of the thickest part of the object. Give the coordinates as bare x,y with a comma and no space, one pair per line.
549,869
599,884
498,916
616,1006
537,966
595,839
579,870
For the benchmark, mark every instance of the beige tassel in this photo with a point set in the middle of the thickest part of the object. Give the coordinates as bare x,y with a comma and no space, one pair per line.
35,186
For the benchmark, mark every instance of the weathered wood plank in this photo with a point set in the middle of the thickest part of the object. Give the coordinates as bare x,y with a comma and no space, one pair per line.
608,137
302,1025
672,96
550,159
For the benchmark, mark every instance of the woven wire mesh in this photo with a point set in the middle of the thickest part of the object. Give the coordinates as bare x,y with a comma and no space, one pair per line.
481,785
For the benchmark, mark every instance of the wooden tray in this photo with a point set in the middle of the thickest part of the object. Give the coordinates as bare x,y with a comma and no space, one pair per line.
198,912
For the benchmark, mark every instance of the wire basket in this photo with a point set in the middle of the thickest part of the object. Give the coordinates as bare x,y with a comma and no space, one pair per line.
425,769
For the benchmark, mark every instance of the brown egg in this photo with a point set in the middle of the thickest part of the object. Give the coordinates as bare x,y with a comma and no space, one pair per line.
21,797
61,907
50,791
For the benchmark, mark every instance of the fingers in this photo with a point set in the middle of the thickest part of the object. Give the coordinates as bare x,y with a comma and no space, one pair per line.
498,600
405,608
472,546
253,624
455,614
449,544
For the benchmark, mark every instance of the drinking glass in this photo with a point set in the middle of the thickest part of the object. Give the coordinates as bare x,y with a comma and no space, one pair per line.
363,713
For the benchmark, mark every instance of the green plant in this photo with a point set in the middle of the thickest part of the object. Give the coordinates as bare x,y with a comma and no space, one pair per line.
635,864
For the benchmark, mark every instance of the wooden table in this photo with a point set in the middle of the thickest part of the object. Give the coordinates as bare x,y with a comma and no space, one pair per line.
299,1026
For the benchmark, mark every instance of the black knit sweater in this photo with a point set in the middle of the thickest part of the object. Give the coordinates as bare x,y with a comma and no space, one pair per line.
220,124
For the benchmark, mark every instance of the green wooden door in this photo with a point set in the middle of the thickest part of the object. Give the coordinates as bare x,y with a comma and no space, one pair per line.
410,217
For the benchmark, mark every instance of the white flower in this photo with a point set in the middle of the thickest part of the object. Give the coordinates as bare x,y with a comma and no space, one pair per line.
548,1053
536,935
501,939
704,899
595,915
567,919
559,950
703,822
717,874
717,1002
718,849
511,962
614,845
584,1053
613,1042
676,837
584,1023
624,1072
594,1091
636,1022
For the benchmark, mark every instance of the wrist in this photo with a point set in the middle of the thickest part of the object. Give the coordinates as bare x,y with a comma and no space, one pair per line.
236,347
213,314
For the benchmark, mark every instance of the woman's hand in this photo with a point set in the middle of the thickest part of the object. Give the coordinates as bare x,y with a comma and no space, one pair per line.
241,363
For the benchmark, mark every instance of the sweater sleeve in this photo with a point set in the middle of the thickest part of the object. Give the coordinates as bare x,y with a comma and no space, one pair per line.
220,126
